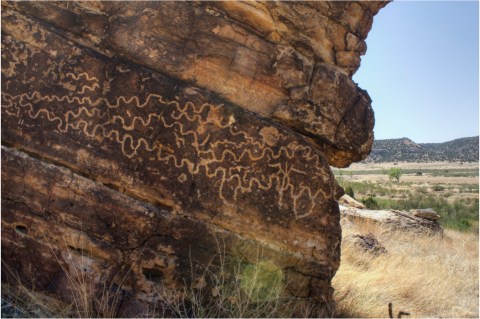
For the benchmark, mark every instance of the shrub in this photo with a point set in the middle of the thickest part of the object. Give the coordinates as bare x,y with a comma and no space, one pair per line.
396,173
465,223
349,191
371,203
438,188
421,190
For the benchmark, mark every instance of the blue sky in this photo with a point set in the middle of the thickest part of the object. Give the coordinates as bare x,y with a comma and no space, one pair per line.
421,70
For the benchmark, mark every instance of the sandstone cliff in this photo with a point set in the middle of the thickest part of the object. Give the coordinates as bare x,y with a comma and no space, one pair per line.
138,136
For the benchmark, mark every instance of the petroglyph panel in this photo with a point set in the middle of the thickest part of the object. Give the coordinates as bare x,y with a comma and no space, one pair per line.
178,140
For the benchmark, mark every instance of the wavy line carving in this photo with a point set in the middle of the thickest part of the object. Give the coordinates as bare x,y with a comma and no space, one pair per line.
193,139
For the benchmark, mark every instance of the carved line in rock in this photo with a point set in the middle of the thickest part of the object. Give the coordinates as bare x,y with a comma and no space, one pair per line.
87,113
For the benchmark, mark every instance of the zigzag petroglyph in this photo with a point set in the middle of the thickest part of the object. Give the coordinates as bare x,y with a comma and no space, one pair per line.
96,120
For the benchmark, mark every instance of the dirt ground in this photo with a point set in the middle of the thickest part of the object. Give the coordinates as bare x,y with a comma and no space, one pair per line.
435,174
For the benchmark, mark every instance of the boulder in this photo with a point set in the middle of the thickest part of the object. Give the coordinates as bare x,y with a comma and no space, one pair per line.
427,213
392,220
348,201
367,243
143,142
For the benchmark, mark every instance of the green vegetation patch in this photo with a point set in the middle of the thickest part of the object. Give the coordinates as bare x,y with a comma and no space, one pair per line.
461,213
467,172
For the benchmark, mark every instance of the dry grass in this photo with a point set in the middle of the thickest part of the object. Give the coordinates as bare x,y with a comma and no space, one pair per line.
235,289
427,276
20,299
254,291
224,290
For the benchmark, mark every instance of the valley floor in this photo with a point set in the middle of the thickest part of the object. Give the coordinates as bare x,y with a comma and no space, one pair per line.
415,165
452,189
433,172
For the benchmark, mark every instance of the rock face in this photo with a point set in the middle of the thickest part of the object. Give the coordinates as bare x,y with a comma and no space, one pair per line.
138,136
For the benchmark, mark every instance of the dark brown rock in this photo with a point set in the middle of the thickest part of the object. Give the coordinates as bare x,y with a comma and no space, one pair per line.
368,243
73,224
136,136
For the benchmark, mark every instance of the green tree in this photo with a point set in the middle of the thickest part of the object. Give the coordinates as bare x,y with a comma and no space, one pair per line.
395,172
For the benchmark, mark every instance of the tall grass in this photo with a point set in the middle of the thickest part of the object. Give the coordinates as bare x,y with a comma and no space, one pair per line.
249,291
226,289
83,299
427,276
23,302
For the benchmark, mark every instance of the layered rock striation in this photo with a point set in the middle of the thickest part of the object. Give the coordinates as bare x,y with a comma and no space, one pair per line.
138,138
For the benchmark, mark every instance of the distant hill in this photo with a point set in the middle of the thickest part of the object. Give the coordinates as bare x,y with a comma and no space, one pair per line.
405,150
